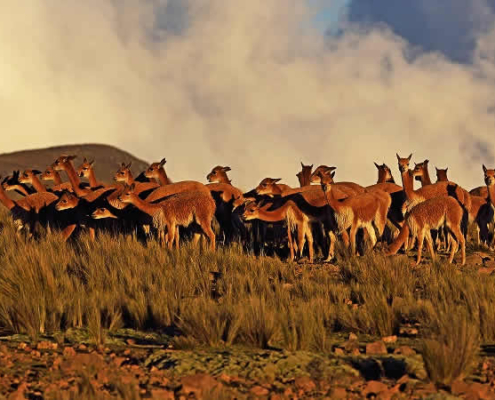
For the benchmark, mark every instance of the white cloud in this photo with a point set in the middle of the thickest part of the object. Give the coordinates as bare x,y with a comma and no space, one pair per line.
247,84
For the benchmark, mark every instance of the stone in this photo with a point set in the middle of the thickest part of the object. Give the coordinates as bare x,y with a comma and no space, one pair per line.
259,391
390,339
338,351
405,351
350,345
374,387
376,348
408,331
339,393
486,270
198,383
305,383
118,361
162,394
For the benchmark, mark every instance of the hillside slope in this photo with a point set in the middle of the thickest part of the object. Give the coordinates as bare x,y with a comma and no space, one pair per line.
107,159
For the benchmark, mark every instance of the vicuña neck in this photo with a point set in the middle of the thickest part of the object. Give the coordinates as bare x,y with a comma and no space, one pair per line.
6,200
74,179
382,178
224,179
163,178
57,180
274,216
408,185
425,178
130,179
491,193
144,206
38,186
331,200
93,182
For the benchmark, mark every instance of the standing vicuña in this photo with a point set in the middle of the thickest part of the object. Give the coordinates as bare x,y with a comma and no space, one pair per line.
360,211
178,210
435,213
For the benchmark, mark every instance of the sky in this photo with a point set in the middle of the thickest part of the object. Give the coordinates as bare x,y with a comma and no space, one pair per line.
258,86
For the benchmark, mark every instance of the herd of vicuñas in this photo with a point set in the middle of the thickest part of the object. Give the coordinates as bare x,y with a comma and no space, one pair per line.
313,216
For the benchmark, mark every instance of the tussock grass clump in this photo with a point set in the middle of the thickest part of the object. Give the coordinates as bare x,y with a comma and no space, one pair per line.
227,296
208,323
308,326
451,352
259,322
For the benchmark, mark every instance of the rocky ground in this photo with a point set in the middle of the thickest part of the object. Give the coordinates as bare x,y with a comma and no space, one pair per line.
134,365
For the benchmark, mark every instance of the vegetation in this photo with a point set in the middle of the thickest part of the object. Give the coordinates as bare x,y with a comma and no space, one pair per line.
228,298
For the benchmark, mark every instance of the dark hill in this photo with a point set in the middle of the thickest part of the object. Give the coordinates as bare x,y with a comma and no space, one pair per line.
107,159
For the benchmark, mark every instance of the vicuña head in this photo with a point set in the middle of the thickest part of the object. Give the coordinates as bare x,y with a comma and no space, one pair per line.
304,176
11,181
62,162
252,210
128,195
102,213
420,170
266,185
489,176
49,174
441,174
325,177
123,173
153,171
67,201
403,163
316,175
84,169
384,173
28,175
218,175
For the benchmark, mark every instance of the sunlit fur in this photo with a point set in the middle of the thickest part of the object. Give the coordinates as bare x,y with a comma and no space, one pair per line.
180,209
102,213
329,172
304,176
86,170
441,174
436,213
219,175
421,173
295,219
30,177
366,210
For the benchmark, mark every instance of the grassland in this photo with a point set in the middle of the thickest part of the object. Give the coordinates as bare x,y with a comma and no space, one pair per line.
116,318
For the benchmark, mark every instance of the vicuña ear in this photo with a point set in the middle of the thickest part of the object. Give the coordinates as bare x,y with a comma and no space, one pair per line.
70,158
162,163
129,165
92,162
226,169
376,165
484,168
410,155
276,180
133,186
36,172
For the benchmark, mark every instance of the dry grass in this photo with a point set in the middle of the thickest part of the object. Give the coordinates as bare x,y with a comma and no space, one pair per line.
452,351
48,287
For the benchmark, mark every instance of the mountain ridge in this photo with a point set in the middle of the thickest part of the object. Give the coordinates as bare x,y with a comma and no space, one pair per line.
107,159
